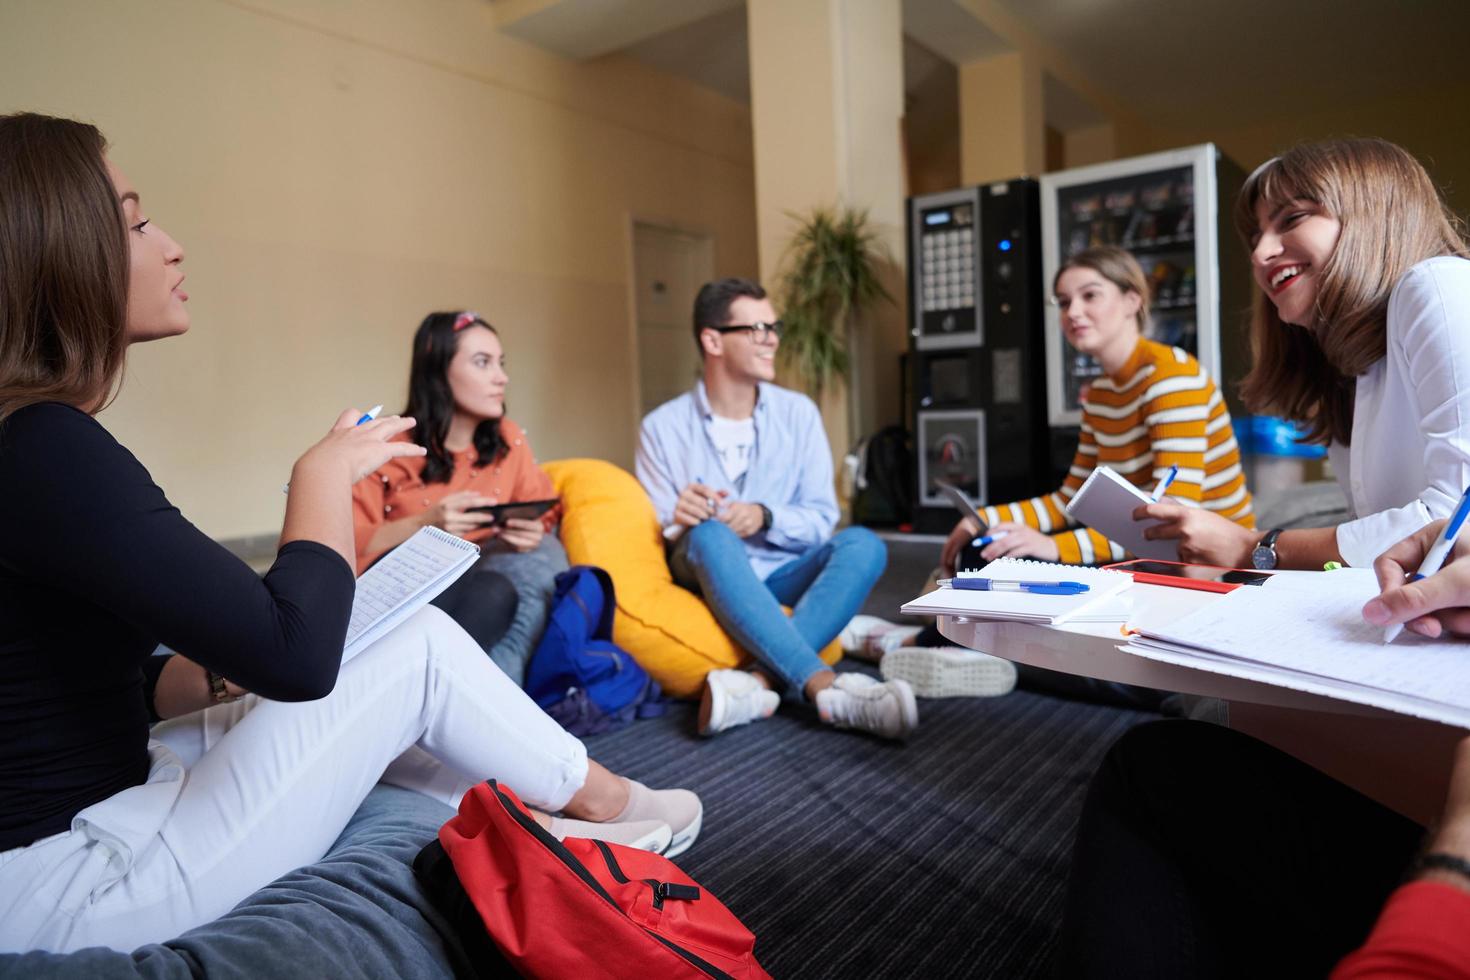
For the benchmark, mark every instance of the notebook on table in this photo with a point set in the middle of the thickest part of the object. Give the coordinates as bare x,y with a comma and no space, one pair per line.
1103,602
1106,503
404,581
1306,632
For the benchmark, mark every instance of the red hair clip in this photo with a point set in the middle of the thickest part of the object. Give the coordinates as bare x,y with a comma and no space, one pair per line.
465,319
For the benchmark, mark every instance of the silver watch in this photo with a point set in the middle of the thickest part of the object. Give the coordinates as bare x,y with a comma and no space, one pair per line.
1264,555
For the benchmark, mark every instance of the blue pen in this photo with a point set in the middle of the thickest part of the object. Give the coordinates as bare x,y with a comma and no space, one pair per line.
368,416
1007,585
1164,483
1437,553
982,542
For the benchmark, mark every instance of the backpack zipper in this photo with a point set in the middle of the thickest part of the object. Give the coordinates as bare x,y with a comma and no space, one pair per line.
560,852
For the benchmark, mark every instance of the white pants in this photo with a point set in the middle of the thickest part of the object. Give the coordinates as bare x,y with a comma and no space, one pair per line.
239,794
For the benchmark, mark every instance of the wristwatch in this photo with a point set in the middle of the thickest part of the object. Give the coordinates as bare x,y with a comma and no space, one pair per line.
1264,555
218,693
766,517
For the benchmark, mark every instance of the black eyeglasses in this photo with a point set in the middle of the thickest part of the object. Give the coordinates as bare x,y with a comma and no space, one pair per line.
759,332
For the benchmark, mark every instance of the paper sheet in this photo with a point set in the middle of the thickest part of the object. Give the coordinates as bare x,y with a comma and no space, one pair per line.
1311,631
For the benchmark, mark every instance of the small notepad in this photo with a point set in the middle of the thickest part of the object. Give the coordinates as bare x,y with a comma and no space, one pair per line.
1102,602
1106,504
403,582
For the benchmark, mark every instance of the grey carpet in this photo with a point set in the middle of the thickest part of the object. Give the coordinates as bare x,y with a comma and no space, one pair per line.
849,856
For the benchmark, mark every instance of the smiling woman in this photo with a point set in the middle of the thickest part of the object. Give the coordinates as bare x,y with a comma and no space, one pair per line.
1359,335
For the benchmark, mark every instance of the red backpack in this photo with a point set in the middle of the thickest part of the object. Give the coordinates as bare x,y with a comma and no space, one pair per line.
576,907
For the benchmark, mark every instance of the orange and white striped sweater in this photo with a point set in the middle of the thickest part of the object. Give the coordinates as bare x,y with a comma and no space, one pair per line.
1161,410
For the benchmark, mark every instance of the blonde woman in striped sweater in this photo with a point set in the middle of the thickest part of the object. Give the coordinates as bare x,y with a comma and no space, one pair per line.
1153,408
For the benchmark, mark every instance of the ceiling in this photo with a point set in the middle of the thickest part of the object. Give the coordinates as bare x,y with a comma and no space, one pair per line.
1235,61
1231,61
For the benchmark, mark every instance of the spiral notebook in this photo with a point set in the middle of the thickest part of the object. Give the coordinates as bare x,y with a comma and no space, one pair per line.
404,581
1103,602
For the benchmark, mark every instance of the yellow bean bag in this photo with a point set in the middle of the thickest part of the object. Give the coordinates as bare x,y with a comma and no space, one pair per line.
609,522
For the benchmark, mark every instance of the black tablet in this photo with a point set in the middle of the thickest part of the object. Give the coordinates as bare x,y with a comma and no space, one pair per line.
522,509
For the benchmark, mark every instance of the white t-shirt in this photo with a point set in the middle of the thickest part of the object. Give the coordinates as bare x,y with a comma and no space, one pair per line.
1410,456
734,440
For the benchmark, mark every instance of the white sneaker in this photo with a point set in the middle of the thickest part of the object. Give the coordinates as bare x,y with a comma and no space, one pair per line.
735,698
884,708
949,672
868,637
644,835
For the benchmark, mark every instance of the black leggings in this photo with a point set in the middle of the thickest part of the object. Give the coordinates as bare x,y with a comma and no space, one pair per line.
1203,852
483,603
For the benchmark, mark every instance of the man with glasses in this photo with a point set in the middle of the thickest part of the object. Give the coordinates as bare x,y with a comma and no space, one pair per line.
740,472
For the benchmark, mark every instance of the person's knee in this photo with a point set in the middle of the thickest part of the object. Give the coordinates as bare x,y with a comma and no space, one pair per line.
711,538
862,547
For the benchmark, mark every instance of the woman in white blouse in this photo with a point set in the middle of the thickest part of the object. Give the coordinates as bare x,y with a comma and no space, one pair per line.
1361,332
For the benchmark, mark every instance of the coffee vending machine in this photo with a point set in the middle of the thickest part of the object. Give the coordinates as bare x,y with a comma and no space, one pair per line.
977,351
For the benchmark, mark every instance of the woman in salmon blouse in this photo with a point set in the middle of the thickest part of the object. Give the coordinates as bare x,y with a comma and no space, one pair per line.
476,457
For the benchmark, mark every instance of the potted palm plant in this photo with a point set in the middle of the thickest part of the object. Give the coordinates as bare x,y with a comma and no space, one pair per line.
829,276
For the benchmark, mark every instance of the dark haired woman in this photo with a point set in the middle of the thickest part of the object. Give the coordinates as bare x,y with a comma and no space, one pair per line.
117,836
1359,333
476,457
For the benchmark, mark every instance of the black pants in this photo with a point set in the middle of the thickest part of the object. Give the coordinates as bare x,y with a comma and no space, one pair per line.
483,603
1203,852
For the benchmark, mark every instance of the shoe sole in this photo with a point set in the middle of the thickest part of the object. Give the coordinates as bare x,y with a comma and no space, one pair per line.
934,672
684,839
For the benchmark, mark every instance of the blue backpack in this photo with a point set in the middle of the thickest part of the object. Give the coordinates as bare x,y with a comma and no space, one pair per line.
578,675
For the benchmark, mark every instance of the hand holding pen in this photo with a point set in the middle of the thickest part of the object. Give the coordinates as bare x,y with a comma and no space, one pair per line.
1433,598
360,442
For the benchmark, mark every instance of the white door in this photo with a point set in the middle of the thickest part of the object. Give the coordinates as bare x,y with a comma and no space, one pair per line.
669,266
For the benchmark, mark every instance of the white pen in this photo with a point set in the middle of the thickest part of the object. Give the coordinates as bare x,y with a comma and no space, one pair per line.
1437,553
1164,482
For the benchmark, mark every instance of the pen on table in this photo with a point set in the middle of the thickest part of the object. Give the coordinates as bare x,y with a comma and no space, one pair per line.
1164,482
367,416
1436,554
1008,585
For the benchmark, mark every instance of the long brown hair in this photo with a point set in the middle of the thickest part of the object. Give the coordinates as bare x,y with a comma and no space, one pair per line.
63,266
1118,267
1392,218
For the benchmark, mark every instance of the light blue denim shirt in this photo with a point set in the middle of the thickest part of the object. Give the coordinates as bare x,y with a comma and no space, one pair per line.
790,468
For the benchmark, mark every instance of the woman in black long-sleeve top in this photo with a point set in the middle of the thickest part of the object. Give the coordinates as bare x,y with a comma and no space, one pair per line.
110,835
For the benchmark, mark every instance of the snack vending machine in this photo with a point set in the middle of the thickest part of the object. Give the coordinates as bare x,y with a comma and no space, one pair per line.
976,347
1167,209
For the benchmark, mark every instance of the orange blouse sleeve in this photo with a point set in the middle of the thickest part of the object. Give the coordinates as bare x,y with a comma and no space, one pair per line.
529,481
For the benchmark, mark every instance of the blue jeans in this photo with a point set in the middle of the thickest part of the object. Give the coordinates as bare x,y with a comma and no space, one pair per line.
825,586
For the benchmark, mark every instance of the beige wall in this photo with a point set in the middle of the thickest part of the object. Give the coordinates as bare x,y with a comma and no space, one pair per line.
335,170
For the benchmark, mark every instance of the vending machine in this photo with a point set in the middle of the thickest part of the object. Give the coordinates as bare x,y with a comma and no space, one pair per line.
1172,211
976,347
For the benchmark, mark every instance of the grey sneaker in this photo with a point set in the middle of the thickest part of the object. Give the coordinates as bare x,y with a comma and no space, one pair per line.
735,698
949,672
886,708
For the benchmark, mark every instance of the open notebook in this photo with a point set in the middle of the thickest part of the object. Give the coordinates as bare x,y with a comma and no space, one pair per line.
403,582
1306,633
1103,602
